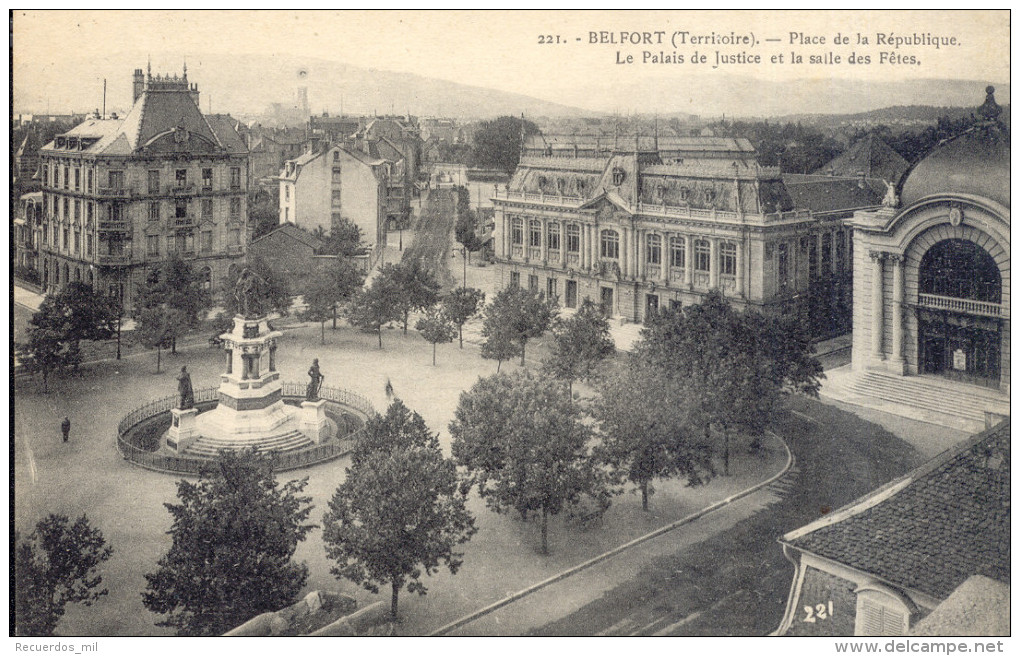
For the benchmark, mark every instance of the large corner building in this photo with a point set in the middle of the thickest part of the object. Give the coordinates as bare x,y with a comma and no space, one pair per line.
120,194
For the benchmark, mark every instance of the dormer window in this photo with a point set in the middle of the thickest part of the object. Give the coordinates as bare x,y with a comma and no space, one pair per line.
619,175
660,192
541,181
710,195
561,185
685,193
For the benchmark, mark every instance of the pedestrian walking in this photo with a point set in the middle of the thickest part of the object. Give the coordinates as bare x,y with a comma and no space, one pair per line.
65,428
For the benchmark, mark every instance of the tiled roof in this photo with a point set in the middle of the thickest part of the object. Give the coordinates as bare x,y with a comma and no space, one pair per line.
870,156
931,530
820,193
296,233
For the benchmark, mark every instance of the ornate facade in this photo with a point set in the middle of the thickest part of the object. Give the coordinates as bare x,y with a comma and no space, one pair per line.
931,270
644,226
120,194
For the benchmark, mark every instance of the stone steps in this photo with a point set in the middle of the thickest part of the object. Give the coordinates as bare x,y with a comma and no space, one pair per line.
209,447
968,402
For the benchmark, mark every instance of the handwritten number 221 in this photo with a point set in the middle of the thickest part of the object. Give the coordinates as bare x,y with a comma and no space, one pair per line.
818,612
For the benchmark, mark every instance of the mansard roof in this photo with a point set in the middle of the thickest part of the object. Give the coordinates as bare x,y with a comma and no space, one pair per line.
871,157
932,529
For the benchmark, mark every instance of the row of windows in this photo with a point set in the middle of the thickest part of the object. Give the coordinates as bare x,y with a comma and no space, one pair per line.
71,241
181,209
61,208
609,246
184,242
64,176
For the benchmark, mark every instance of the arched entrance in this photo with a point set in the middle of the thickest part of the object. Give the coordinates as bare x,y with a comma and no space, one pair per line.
959,313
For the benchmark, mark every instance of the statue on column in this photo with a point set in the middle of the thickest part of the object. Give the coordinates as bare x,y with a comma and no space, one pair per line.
312,393
248,292
185,391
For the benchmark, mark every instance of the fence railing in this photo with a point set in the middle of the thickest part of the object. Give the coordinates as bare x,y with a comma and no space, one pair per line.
196,465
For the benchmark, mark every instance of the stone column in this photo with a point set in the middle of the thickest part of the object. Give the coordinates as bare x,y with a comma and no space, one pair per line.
897,362
665,253
641,256
563,242
713,265
832,252
624,256
876,304
585,246
543,246
738,283
689,260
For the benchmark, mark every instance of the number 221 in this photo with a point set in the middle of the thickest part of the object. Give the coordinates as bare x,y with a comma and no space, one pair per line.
818,612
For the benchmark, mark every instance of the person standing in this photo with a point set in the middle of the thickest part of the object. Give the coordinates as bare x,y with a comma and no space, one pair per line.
65,428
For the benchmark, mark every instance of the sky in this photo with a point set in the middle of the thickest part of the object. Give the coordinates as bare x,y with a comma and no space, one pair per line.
502,50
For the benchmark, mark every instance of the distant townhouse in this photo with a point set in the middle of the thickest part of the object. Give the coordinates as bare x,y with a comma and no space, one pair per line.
120,194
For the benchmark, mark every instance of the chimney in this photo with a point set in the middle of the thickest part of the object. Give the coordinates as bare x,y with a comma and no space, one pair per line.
138,85
193,92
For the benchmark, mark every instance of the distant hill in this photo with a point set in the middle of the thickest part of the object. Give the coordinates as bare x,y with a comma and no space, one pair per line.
891,115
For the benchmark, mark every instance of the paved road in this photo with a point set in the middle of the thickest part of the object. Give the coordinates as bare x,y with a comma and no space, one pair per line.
434,234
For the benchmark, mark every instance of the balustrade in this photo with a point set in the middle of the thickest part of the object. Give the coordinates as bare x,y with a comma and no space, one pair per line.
964,305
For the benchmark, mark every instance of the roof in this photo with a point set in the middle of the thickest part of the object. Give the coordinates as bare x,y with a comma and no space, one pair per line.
822,193
291,231
974,163
363,157
932,529
164,107
870,156
979,607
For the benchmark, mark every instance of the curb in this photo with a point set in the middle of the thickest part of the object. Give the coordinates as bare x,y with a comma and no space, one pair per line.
467,619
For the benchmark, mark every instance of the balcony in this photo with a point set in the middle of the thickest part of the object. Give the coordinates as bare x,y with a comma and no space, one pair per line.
233,250
121,226
115,192
961,305
181,189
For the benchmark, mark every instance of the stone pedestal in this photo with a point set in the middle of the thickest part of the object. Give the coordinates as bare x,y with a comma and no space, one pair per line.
182,429
313,422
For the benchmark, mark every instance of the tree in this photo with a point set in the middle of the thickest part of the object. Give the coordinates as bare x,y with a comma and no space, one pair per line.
399,512
436,328
738,366
320,301
525,446
54,566
516,314
272,293
157,328
75,314
648,428
233,540
418,288
466,227
347,281
460,305
263,211
500,343
498,143
176,290
376,306
344,238
580,344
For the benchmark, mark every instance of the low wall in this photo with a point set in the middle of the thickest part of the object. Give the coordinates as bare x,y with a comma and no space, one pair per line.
339,399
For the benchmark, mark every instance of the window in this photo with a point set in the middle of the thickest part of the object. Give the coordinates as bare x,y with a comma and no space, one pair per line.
154,211
206,241
534,233
654,250
77,179
826,249
77,242
67,178
336,155
533,282
610,244
207,178
171,244
65,243
573,238
46,174
728,258
840,248
207,209
88,245
235,178
880,613
235,237
702,255
677,252
286,192
153,182
88,181
152,245
515,279
550,288
77,211
553,240
66,214
336,176
517,231
181,177
181,209
235,208
89,213
571,299
117,180
116,212
336,196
